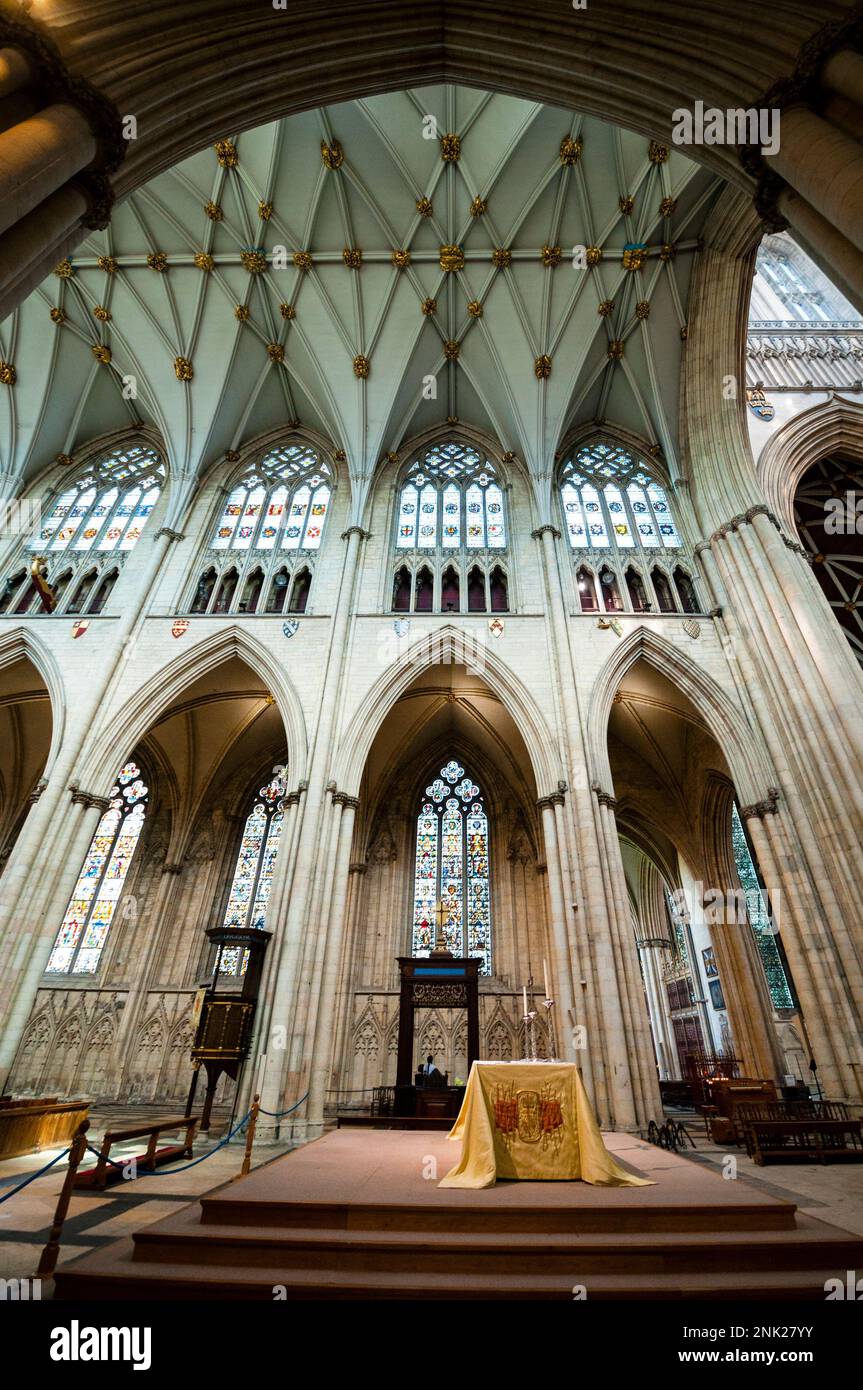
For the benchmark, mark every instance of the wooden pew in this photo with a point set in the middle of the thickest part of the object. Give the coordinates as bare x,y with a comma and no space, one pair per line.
104,1172
32,1125
799,1140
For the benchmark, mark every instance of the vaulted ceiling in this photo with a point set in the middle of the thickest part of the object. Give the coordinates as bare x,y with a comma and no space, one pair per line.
330,331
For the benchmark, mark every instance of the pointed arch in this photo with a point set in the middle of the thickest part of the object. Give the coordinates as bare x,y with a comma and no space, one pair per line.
129,724
448,643
21,643
746,758
830,427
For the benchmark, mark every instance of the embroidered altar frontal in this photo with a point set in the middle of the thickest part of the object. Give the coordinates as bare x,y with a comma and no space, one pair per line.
531,1120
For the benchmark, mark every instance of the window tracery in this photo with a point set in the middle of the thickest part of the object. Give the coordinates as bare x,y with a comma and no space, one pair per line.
451,534
262,549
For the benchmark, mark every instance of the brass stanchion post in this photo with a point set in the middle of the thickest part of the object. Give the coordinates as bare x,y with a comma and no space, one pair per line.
250,1136
48,1261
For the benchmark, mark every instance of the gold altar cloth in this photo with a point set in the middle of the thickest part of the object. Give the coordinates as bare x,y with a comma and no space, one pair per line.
530,1120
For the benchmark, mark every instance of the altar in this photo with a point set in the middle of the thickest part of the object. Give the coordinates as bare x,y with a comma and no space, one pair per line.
534,1121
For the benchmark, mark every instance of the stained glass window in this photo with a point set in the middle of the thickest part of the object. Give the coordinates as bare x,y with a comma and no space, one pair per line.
760,919
272,518
608,497
451,499
282,503
253,872
109,504
94,900
451,885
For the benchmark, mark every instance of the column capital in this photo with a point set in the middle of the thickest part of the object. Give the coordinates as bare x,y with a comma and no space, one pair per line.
37,790
546,802
348,802
356,530
82,798
358,868
170,533
172,868
541,530
768,807
603,797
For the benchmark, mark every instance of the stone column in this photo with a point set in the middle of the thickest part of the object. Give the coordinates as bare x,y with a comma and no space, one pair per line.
280,1086
283,869
561,963
38,156
636,1020
323,1053
825,166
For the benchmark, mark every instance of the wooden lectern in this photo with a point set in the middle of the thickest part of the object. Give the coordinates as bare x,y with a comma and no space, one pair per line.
437,981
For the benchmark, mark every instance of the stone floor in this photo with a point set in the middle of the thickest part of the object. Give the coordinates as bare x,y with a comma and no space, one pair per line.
832,1193
96,1218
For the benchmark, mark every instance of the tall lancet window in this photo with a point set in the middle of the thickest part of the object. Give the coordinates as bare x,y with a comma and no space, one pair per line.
451,886
96,895
253,872
761,918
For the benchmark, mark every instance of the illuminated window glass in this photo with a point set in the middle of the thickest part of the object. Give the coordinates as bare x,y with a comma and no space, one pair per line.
451,883
253,871
609,499
452,482
115,496
94,900
407,536
760,919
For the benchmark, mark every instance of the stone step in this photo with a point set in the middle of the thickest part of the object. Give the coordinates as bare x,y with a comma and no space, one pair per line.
226,1209
112,1274
182,1239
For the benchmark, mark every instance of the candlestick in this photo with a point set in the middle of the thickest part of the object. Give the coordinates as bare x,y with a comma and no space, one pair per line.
524,992
545,978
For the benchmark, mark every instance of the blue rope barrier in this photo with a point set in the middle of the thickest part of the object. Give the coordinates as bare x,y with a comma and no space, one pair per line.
280,1114
167,1172
34,1176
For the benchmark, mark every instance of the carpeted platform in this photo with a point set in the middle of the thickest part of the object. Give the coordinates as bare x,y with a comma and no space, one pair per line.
358,1214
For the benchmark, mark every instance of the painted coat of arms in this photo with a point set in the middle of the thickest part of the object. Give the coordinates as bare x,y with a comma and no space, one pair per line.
290,627
80,627
179,626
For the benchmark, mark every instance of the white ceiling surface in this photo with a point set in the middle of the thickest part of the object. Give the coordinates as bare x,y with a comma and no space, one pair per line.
64,397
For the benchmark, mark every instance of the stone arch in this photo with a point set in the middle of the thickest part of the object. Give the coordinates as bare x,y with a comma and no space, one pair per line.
176,1067
22,643
33,1054
746,758
491,44
834,425
96,1057
499,1037
432,1036
66,1053
448,643
367,1035
129,724
229,474
55,477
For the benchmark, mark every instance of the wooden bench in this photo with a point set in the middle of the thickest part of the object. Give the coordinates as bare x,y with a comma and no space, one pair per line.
809,1139
105,1172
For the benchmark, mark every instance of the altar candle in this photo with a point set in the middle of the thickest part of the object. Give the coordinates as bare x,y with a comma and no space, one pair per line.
524,992
545,979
